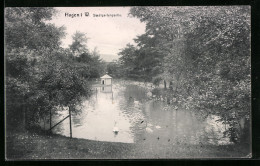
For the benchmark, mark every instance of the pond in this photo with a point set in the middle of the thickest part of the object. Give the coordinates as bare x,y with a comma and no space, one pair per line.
126,107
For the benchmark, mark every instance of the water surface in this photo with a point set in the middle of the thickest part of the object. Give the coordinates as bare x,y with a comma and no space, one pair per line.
138,119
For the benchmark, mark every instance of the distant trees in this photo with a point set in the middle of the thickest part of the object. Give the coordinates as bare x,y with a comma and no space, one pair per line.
89,63
79,44
90,66
116,69
128,60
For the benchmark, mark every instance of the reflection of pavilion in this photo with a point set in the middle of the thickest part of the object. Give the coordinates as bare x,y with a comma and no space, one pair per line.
106,89
106,84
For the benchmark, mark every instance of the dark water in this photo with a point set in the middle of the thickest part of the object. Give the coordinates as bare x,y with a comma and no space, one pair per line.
127,107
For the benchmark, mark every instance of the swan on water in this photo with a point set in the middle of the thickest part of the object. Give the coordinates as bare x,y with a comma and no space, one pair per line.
137,104
149,130
115,129
158,127
149,94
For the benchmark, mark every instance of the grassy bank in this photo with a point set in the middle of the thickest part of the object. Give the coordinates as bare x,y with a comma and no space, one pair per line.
39,145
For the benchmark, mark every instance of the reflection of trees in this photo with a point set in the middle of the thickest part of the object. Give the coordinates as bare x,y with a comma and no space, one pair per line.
135,92
133,112
236,127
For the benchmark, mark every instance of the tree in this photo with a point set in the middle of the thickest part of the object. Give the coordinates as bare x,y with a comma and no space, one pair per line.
116,69
89,63
223,64
128,59
78,45
39,74
26,27
128,55
205,51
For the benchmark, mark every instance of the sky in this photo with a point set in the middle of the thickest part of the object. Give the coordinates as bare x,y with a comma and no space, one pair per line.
108,34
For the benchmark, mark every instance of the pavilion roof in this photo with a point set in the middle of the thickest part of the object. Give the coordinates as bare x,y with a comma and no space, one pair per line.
106,76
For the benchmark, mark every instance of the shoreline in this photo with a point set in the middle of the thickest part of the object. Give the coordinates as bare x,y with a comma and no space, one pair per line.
37,145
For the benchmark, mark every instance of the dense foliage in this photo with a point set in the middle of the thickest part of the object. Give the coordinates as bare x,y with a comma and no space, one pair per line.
40,75
203,52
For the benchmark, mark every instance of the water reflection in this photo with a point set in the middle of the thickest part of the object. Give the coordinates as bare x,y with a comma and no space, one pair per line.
126,108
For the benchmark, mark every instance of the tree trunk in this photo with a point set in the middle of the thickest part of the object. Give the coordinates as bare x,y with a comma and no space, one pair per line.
238,122
176,85
24,117
70,122
44,119
178,80
171,85
164,84
50,118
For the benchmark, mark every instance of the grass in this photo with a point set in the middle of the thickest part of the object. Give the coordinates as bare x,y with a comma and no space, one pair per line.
36,144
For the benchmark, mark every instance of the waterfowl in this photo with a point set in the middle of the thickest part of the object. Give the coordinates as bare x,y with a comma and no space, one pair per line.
147,127
161,98
137,104
157,127
115,129
149,94
149,130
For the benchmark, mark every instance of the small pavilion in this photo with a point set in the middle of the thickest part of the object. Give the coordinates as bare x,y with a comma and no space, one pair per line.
106,80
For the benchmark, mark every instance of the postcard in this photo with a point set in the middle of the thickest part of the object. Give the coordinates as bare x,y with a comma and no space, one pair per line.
142,82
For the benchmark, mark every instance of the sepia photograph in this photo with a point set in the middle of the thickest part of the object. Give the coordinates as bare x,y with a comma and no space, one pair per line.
135,82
